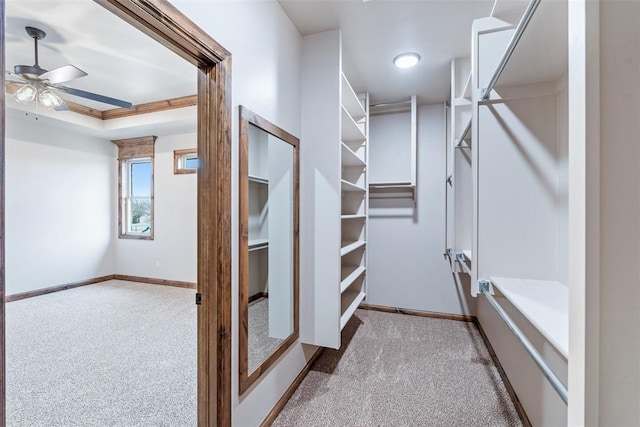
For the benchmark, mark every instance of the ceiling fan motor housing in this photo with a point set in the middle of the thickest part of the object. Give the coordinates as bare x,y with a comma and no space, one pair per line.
32,71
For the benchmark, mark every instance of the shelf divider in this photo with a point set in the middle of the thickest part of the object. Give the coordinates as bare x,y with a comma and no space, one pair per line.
353,275
352,307
350,247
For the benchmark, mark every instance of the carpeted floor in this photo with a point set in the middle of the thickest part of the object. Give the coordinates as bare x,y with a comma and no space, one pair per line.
261,345
110,354
399,370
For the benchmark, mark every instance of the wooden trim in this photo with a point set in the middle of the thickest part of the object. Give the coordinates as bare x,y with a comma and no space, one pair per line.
3,376
512,393
66,286
246,378
281,403
151,107
431,314
177,170
52,289
258,296
154,281
251,117
84,110
135,110
167,25
133,148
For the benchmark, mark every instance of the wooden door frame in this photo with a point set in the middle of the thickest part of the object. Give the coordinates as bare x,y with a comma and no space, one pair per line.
164,23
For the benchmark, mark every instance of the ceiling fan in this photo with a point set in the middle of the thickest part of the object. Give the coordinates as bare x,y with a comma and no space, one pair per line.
32,82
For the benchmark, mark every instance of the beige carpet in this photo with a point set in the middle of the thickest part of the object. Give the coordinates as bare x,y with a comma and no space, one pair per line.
399,370
110,354
261,345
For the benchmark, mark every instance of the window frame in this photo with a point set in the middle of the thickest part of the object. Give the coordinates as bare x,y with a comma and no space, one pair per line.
125,197
179,161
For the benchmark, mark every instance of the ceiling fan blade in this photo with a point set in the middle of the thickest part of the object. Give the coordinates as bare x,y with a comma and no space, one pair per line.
94,96
63,74
62,107
17,76
12,87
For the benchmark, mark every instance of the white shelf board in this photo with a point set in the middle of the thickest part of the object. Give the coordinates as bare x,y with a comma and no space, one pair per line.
347,186
461,102
467,255
544,303
348,247
351,102
353,216
350,130
350,301
258,180
349,158
350,274
257,244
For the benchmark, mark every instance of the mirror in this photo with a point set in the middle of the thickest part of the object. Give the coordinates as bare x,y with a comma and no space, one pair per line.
268,262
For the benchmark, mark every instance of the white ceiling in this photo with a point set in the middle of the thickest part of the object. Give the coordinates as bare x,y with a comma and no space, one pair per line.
121,61
124,63
375,31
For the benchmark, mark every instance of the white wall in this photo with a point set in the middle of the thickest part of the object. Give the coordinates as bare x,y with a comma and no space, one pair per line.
407,268
171,255
60,195
266,79
619,215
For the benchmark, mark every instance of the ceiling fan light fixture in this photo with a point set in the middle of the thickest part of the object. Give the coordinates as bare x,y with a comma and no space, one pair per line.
406,60
26,93
49,99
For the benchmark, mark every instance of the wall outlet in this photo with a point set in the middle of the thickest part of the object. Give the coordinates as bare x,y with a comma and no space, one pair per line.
157,264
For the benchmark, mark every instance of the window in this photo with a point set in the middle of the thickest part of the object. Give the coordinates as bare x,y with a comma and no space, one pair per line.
135,189
138,197
185,161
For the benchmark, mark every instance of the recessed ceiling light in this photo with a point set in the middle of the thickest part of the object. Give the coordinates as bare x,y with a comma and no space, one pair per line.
406,60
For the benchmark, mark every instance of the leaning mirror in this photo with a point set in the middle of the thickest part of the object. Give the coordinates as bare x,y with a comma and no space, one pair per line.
268,262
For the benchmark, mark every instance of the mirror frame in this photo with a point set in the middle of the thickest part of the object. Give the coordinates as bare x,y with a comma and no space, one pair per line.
247,117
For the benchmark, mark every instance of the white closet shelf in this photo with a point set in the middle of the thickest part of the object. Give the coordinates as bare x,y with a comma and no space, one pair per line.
257,244
258,179
351,102
353,216
461,102
467,255
350,274
349,158
348,186
350,301
350,132
348,247
544,303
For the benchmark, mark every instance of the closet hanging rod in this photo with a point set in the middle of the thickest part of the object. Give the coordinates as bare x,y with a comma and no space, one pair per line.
553,379
390,184
463,264
465,133
390,104
522,25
